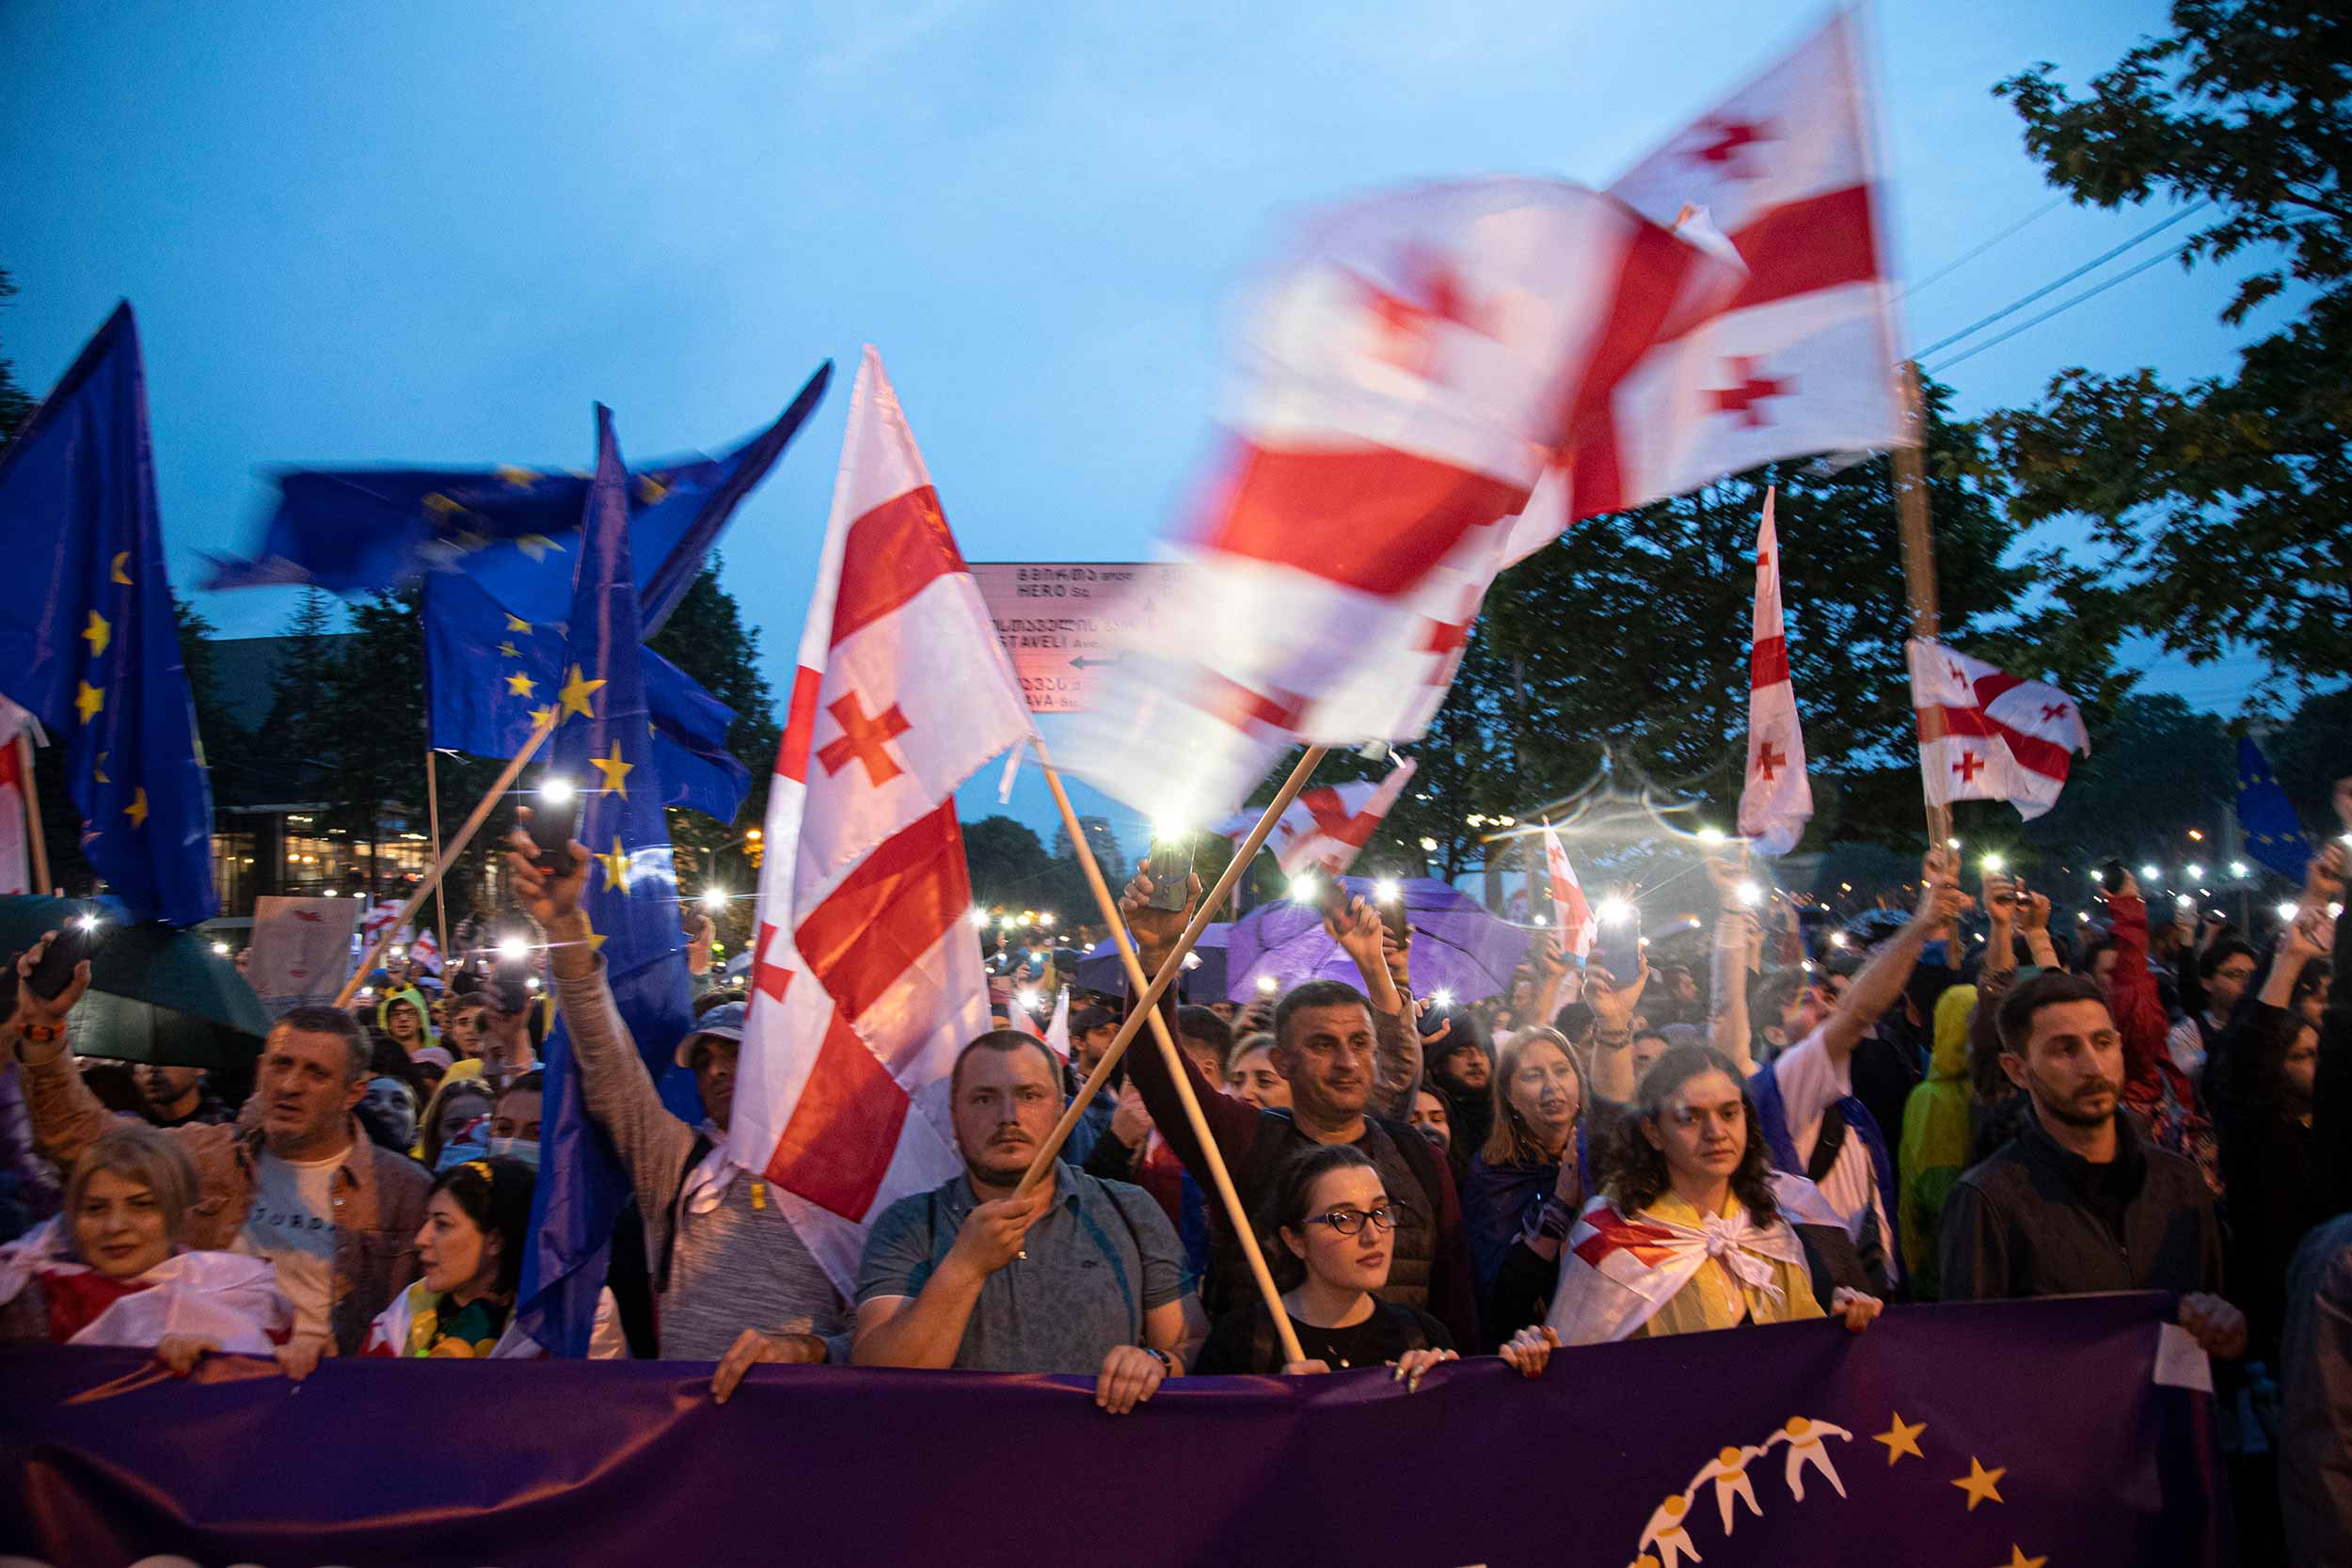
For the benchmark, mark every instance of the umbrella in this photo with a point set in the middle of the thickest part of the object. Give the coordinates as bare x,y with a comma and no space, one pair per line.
1101,970
1457,945
157,994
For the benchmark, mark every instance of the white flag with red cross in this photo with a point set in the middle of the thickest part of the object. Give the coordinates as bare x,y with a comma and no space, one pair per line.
1568,905
1403,374
865,979
1327,826
1802,359
1985,735
1777,801
16,869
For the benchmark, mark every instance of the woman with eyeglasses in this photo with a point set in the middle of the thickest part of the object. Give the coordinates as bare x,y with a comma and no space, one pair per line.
1329,1238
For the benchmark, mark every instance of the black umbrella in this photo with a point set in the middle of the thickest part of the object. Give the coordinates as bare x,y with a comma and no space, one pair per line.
156,994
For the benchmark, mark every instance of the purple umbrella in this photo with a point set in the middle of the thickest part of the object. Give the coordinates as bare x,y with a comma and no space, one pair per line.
1457,945
1101,969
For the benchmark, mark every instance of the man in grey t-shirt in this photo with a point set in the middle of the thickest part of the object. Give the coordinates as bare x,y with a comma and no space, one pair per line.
1079,1276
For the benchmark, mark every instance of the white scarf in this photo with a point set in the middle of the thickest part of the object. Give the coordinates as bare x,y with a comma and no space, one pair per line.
225,1297
1615,1273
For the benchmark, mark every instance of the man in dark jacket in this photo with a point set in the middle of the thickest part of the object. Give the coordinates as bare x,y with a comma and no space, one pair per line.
2080,1200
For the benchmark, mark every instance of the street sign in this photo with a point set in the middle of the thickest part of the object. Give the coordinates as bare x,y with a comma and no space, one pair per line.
1059,623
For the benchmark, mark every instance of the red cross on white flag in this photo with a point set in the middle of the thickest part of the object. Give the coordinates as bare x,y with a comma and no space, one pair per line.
1986,734
1575,916
1777,801
1328,826
866,981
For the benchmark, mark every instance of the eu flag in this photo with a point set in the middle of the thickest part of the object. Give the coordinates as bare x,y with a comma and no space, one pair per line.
490,675
601,742
87,643
2274,835
513,530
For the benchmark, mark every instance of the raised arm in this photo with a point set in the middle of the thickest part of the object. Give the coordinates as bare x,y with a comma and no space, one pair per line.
66,1116
1612,1033
2140,1015
1231,1123
1736,934
1881,983
2033,922
2000,913
1396,1044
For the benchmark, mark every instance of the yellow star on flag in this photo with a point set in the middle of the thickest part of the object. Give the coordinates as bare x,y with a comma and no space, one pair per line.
650,489
89,700
537,546
576,693
521,478
596,938
98,768
515,622
520,684
440,504
509,650
615,868
137,810
2017,1558
616,771
543,716
116,573
98,634
1980,1483
1901,1438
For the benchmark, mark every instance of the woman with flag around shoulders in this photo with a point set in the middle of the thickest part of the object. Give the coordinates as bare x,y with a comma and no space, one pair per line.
1687,1234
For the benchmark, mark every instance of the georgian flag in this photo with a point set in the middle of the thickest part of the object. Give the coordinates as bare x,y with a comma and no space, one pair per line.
1577,926
1985,735
1777,801
866,981
1403,374
1327,826
16,866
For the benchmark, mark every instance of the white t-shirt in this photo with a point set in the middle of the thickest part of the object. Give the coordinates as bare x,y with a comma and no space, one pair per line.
291,1224
1810,1083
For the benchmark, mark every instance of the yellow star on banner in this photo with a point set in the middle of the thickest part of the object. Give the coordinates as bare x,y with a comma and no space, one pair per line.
98,634
515,622
543,716
1980,1483
98,768
440,504
596,938
650,489
521,478
1901,1438
615,866
2017,1558
576,693
509,650
616,771
137,810
89,700
537,546
520,684
116,573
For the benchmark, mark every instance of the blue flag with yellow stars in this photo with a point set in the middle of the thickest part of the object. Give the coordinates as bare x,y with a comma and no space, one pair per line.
600,743
2274,835
516,530
87,642
490,675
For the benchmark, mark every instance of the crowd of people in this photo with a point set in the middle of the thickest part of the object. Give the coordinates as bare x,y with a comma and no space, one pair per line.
1973,1106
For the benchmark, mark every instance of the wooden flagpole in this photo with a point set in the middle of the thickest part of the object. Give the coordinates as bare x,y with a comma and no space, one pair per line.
1235,1211
35,834
433,818
441,864
1911,504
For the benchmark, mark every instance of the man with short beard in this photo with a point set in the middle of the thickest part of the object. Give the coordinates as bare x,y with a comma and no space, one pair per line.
2080,1201
179,1096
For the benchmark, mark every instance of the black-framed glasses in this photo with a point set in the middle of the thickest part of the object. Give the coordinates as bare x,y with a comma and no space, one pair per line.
1347,1222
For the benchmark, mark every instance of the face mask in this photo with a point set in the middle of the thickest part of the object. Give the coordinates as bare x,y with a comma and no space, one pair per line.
525,1149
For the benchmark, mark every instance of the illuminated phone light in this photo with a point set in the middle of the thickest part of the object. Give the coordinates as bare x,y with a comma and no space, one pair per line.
1303,889
980,917
2081,917
1046,920
1993,862
1749,893
1837,939
2286,912
1614,911
220,949
1710,834
1385,889
2196,873
2151,873
1028,1000
2237,868
2183,899
716,898
1429,846
1268,985
514,949
557,791
1441,998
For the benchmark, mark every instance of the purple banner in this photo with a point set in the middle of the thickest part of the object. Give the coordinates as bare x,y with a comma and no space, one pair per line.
1944,1436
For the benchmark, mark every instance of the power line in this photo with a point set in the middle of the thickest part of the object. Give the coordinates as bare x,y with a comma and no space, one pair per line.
2062,306
1949,267
2091,265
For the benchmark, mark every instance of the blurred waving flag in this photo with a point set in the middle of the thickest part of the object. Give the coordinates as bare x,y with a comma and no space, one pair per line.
1406,372
513,530
88,645
1777,801
1986,734
1577,926
2274,835
865,979
490,675
601,742
1326,826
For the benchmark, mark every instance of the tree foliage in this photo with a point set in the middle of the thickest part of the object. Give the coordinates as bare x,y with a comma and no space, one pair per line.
2220,507
16,403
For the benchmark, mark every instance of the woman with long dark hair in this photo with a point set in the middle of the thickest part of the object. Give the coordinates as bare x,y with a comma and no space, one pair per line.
477,1221
1328,1236
1687,1233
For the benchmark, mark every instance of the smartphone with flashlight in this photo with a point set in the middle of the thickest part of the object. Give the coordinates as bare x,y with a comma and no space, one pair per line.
554,823
2111,877
1171,871
78,939
1617,946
